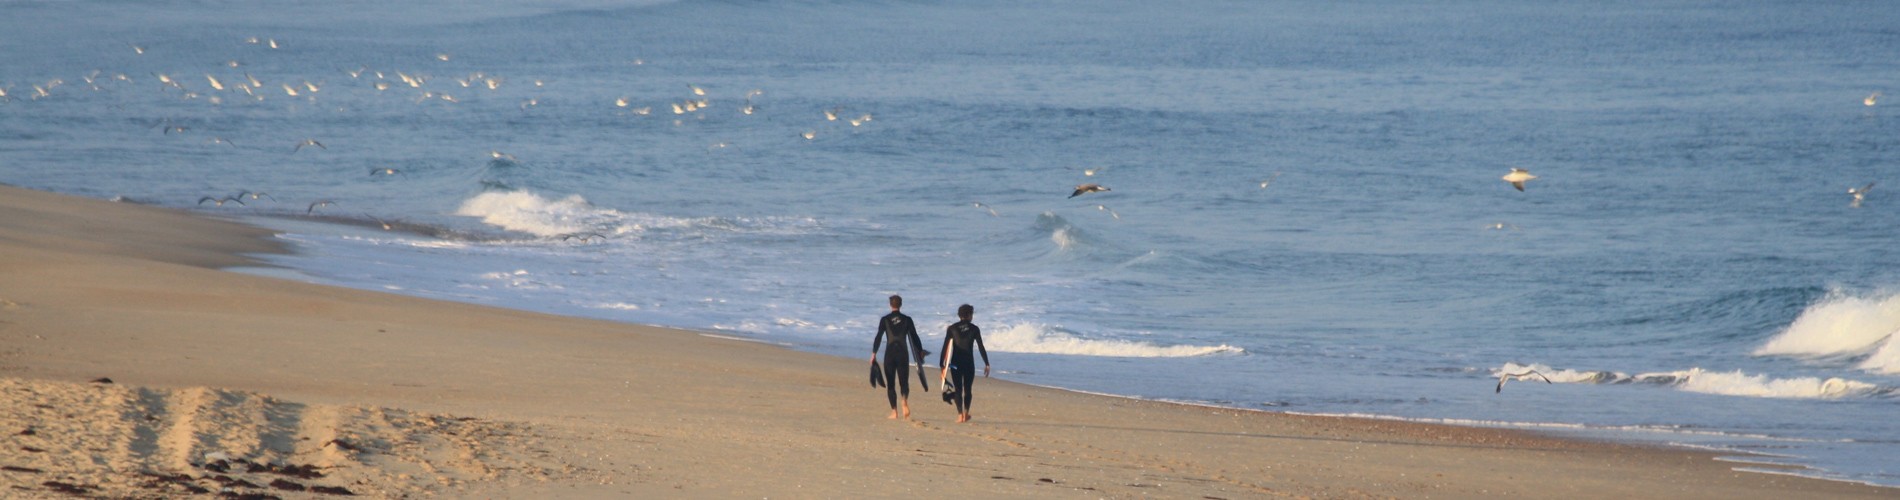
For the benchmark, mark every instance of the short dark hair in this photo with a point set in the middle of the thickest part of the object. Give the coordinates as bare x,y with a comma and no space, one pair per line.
897,301
965,311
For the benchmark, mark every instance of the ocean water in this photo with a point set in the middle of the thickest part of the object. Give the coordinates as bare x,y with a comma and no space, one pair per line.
1306,213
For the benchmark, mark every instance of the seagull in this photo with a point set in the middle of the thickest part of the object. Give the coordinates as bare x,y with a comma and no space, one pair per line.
384,171
1269,180
319,203
1501,226
501,156
809,135
220,201
1105,208
1518,376
1860,193
987,207
3,95
1090,172
176,128
1088,188
137,49
696,89
442,57
308,142
1871,98
256,194
832,114
1518,177
386,225
221,140
215,84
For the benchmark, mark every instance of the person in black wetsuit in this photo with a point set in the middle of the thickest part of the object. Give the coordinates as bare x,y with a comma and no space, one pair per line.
961,367
897,356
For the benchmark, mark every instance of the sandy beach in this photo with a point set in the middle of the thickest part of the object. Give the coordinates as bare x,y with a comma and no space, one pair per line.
223,381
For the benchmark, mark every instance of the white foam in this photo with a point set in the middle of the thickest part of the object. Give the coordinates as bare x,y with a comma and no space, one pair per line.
1844,325
1042,339
529,213
1736,383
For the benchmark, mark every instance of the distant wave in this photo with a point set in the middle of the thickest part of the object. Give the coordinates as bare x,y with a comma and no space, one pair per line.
1845,326
527,212
1734,383
1043,339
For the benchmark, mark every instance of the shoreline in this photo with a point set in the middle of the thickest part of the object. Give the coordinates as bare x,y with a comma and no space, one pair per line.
138,294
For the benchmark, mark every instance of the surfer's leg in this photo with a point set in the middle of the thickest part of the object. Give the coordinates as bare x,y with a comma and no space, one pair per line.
966,376
890,386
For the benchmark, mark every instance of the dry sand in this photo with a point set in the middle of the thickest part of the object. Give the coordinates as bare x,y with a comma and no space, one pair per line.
227,380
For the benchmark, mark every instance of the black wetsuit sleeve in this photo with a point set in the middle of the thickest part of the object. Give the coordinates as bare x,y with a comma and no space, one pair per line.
979,344
879,339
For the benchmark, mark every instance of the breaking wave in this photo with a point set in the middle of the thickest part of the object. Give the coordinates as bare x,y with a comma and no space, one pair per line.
1042,339
1730,383
1845,326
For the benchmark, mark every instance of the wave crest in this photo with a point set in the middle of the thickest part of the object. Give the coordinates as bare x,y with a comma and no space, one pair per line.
1042,339
1841,325
1733,383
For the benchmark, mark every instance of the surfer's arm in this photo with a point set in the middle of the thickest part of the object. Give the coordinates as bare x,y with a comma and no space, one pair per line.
877,340
984,352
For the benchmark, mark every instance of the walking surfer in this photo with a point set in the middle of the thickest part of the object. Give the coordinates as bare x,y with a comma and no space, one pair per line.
960,367
898,354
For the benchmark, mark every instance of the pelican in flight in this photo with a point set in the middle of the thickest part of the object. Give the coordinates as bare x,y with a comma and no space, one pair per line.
1088,188
220,201
308,142
584,237
1502,377
1860,193
1518,177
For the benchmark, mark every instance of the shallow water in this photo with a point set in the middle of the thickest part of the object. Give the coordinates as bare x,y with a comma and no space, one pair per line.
1686,267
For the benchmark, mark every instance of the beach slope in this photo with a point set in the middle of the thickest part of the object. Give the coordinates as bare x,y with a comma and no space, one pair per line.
228,381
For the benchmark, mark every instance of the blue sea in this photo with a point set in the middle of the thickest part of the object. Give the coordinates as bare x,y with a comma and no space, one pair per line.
1305,211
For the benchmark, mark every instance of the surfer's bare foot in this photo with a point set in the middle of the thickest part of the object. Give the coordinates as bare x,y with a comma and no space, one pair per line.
906,410
893,414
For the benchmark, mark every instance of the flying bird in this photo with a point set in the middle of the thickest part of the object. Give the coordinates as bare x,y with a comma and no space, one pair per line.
384,171
1518,177
1105,208
987,207
1860,193
1088,188
318,204
219,201
584,237
1871,99
308,142
1502,377
1269,180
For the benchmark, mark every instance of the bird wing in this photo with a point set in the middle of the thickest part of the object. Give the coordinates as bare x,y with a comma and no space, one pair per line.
1518,184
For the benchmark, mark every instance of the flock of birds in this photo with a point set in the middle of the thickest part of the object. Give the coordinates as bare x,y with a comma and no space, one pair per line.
234,82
